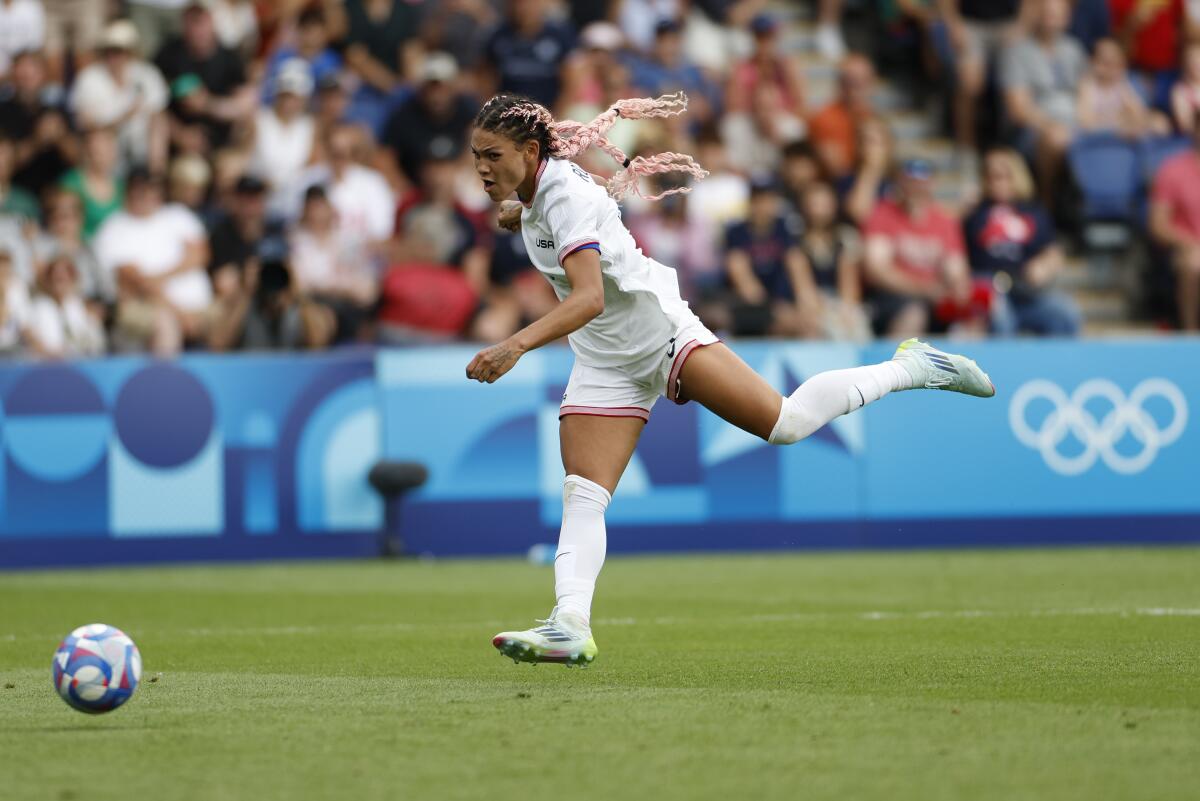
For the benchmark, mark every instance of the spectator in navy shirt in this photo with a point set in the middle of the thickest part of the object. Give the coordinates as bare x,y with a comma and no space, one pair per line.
527,50
772,292
1011,242
668,70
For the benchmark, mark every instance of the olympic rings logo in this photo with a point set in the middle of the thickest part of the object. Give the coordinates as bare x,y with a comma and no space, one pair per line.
1099,437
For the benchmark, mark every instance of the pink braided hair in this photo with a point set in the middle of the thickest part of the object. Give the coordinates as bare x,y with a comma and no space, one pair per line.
569,139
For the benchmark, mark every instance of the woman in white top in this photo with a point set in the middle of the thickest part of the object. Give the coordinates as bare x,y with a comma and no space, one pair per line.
60,325
634,339
284,133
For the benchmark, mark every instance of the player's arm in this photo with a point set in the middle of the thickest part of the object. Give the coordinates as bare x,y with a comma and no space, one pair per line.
585,302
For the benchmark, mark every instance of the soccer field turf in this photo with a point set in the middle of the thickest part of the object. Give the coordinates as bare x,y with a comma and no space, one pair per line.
948,675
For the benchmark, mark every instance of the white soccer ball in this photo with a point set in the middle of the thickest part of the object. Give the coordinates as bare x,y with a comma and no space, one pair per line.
96,668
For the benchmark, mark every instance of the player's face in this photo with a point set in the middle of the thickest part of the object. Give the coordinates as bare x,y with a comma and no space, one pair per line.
501,163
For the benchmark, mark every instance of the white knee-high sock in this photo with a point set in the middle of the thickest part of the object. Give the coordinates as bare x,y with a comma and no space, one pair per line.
828,395
581,545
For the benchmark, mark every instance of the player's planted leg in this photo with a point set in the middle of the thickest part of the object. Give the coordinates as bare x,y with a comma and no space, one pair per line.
566,635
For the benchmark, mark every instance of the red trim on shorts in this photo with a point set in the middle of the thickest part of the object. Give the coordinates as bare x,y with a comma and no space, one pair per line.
605,411
677,367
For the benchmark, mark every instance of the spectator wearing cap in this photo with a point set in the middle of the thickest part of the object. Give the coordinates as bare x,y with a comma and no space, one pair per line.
1175,226
433,122
23,25
157,255
227,95
767,65
667,69
834,129
331,266
125,93
1012,245
60,325
244,235
311,46
915,258
97,180
284,134
1040,75
526,52
63,236
772,288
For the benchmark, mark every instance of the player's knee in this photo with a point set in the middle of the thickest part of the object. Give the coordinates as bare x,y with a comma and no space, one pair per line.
581,493
796,421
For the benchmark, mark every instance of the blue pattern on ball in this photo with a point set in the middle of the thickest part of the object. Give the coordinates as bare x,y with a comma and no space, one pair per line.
84,649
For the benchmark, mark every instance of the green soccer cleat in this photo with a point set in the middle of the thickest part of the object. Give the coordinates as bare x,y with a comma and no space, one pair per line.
933,369
563,639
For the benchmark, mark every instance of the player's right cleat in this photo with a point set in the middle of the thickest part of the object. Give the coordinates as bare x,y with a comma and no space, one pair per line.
562,639
933,369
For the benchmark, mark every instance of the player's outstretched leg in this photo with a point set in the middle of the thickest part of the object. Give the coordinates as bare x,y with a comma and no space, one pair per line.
715,377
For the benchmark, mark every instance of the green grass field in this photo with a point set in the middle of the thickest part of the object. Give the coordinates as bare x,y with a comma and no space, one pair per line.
966,675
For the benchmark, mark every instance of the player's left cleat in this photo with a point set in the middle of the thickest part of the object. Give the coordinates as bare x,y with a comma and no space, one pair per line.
934,369
562,639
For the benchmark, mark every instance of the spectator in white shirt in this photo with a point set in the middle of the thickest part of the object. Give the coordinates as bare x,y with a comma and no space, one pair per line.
158,256
60,325
361,195
122,91
284,133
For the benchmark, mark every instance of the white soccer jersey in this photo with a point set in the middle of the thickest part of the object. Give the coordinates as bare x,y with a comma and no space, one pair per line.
642,306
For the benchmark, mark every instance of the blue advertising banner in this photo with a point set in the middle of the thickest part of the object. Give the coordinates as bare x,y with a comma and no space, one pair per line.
257,456
205,457
1085,442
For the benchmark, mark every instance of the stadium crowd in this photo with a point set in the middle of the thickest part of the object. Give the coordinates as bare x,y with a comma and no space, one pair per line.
229,174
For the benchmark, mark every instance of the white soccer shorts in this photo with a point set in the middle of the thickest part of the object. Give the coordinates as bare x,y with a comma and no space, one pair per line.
631,390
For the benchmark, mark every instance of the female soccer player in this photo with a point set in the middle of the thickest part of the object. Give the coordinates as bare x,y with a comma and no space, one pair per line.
634,339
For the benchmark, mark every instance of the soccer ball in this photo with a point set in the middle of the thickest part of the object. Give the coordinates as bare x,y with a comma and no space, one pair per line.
97,668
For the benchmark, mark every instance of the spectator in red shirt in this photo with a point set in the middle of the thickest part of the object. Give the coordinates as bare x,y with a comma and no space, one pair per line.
1175,224
1151,32
915,257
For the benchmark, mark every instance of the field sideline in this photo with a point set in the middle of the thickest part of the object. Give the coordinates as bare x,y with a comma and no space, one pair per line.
1065,674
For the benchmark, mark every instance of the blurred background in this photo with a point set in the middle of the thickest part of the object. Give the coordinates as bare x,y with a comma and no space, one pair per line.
201,176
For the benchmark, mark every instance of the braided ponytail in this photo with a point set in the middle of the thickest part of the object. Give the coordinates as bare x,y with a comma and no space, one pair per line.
522,119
